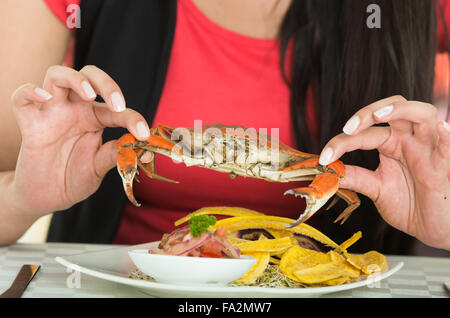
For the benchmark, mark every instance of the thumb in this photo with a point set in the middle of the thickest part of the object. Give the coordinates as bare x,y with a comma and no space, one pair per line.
361,180
106,158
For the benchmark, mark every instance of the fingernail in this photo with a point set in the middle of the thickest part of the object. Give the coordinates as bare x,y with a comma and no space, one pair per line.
325,157
383,112
88,90
351,125
43,93
118,102
142,130
446,125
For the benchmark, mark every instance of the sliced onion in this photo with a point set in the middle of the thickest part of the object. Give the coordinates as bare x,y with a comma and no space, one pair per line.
228,249
187,237
182,243
173,237
184,248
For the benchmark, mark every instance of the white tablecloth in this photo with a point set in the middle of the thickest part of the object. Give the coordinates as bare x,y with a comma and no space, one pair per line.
420,276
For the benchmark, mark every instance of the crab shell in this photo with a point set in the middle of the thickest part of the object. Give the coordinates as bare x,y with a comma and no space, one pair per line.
238,151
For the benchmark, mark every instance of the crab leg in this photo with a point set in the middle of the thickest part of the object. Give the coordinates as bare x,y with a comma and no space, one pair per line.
322,188
149,168
305,164
127,164
128,160
353,203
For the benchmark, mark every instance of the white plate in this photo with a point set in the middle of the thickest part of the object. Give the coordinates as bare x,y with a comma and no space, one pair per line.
114,264
186,270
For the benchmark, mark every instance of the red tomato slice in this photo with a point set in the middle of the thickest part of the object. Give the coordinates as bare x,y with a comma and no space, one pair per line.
211,249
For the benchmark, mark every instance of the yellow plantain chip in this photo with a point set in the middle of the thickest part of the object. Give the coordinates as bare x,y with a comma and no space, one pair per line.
275,223
234,240
344,246
283,233
280,233
313,260
279,254
337,281
347,268
262,260
318,274
368,263
265,245
288,261
218,210
335,257
234,234
274,260
298,258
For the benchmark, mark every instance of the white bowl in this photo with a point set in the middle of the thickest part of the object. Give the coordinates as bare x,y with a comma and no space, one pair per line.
189,270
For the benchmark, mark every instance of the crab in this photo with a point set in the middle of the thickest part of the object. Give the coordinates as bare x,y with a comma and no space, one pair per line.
238,151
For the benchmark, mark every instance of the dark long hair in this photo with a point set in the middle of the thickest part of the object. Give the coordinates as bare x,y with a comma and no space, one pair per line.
350,65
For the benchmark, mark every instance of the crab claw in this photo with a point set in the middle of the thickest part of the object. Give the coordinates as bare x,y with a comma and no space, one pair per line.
127,165
150,171
323,187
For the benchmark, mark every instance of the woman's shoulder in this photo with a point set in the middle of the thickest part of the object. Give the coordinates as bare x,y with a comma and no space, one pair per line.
62,9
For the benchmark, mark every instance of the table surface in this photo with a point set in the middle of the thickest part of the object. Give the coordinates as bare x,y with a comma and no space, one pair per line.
419,277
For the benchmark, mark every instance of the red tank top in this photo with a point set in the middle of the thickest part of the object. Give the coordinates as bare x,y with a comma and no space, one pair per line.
216,76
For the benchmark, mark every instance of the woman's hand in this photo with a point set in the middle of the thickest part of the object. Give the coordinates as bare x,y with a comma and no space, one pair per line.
410,187
62,160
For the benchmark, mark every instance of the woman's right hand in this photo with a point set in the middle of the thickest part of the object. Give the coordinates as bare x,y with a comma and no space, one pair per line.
62,159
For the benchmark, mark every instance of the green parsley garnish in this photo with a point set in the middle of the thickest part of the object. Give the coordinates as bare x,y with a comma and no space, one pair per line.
200,223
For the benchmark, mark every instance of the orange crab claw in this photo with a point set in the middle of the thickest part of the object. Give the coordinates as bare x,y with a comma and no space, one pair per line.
128,159
150,171
127,164
323,187
338,168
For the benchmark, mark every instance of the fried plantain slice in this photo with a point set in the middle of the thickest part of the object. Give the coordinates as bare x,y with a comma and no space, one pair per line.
345,245
218,210
281,233
274,260
262,261
265,245
337,281
368,263
235,240
275,223
346,267
318,274
298,258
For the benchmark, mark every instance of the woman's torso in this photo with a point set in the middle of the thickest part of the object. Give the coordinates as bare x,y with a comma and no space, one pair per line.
216,76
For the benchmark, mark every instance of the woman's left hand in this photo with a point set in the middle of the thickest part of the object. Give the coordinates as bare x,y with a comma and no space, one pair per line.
410,187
